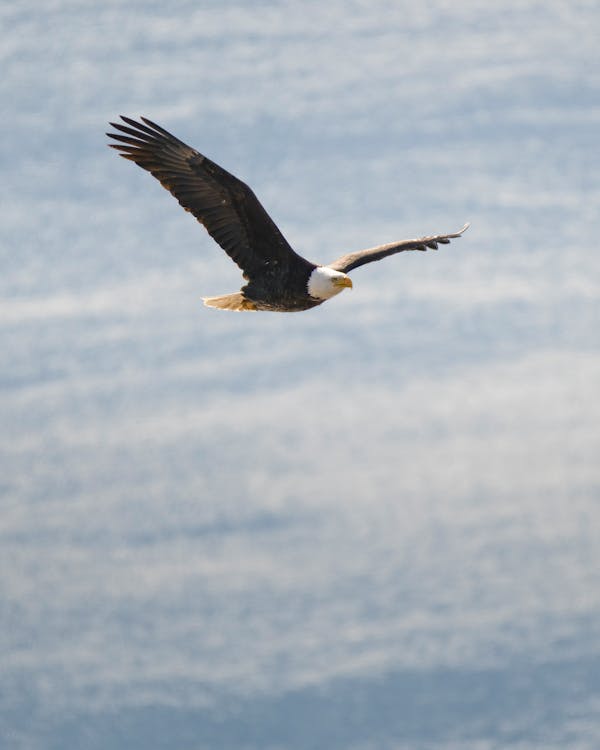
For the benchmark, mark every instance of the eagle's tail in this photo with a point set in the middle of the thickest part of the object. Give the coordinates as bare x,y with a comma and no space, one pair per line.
235,301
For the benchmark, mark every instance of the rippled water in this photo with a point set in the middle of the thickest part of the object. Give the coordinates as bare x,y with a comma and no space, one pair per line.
372,525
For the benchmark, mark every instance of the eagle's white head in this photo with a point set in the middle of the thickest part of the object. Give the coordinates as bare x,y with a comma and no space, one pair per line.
324,282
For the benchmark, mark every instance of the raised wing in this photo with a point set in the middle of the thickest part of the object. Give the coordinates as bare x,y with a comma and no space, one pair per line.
353,260
227,207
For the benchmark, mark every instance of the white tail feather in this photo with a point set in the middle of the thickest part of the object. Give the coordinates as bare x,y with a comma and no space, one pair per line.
235,301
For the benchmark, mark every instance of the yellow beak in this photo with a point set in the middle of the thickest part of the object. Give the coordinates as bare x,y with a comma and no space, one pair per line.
343,281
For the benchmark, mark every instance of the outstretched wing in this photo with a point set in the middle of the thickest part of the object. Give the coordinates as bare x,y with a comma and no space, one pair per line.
226,206
353,260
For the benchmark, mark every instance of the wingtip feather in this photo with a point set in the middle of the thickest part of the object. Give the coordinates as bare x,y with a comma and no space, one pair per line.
129,120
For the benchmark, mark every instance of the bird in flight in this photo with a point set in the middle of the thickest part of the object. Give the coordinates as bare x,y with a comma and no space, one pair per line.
278,278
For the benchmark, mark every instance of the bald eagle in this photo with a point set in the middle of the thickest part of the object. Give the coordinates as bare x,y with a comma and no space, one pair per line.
278,278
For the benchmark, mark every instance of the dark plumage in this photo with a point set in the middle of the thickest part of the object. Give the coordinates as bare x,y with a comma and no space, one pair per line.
278,278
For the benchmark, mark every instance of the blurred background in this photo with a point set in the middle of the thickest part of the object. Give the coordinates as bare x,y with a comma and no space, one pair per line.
373,525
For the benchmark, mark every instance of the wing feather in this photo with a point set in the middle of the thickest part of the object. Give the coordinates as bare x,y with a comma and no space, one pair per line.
346,263
226,206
